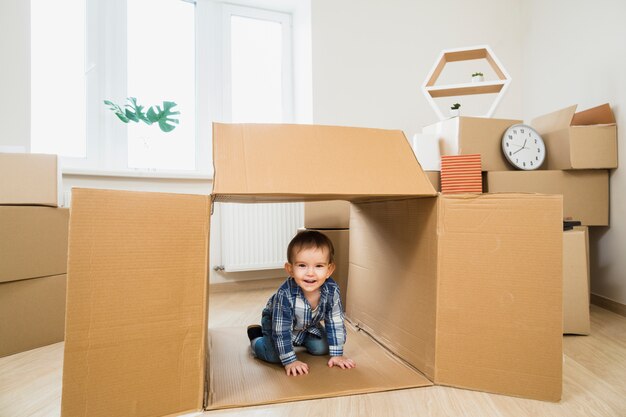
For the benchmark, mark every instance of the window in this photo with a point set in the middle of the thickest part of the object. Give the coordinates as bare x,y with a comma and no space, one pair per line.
216,61
257,59
57,78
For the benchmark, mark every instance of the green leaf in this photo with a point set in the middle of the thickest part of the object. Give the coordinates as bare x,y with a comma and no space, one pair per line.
117,110
163,116
134,112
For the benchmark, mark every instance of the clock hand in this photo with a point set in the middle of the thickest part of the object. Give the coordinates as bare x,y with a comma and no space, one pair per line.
517,150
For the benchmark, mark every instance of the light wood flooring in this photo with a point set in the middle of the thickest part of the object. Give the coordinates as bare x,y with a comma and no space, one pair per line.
594,379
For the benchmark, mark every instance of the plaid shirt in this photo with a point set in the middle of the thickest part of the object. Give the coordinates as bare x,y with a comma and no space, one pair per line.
292,319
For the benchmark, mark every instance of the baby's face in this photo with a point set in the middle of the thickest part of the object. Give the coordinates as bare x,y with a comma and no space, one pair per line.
310,268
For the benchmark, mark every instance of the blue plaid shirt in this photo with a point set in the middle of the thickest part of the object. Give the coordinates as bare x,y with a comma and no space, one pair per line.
292,319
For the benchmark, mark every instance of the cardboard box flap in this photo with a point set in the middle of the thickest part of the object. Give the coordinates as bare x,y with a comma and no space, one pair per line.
551,122
136,304
276,162
600,115
499,311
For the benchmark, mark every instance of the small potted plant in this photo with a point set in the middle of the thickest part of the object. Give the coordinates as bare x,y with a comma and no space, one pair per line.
477,77
454,110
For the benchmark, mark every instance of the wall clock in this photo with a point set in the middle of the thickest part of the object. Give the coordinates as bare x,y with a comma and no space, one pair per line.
523,147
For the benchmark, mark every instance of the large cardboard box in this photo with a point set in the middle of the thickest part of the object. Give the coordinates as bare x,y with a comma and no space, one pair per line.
33,242
32,313
327,214
583,140
585,192
576,281
29,179
470,135
136,335
471,294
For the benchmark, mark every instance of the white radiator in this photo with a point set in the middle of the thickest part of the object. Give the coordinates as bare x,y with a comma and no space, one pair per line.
255,236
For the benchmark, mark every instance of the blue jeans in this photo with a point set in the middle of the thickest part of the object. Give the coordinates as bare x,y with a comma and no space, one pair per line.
263,347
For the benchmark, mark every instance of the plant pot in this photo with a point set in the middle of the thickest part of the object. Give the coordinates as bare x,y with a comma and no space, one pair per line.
478,78
455,112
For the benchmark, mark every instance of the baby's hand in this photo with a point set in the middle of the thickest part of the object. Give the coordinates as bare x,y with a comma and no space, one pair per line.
297,368
342,362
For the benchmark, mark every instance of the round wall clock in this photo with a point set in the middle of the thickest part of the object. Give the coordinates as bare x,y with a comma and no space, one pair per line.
523,147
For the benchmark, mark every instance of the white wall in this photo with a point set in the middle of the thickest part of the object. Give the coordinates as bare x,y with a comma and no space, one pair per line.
574,53
15,74
371,57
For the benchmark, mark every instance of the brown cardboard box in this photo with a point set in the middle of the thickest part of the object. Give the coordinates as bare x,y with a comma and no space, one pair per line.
576,281
32,313
29,179
341,243
137,283
334,214
460,301
33,242
584,140
470,135
585,192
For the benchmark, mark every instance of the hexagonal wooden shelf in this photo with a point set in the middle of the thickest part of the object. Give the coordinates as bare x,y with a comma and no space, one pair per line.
432,91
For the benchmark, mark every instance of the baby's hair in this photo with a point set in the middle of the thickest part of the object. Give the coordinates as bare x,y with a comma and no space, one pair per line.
310,239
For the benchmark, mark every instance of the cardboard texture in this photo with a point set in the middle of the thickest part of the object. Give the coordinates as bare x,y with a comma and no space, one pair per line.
576,282
32,313
471,294
29,179
327,214
354,164
33,242
585,192
136,304
341,243
471,135
244,380
584,140
479,317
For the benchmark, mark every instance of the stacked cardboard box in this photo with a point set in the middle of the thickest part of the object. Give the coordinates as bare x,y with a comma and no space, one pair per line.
580,147
33,253
437,280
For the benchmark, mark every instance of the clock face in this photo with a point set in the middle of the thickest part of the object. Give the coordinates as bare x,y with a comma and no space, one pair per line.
523,147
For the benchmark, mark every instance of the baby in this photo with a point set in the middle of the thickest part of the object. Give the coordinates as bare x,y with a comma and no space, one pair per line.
293,315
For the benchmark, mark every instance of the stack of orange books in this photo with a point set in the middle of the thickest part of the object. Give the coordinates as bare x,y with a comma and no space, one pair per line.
461,174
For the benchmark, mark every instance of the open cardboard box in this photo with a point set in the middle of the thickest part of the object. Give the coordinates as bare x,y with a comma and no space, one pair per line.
465,290
583,140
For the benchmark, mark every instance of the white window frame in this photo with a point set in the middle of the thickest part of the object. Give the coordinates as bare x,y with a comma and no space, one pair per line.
284,19
105,69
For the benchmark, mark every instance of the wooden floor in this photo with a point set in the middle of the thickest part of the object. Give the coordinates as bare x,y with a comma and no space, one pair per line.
594,379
